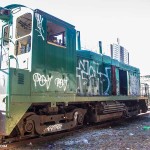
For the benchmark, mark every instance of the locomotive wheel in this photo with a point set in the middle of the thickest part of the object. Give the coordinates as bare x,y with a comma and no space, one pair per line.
80,119
26,126
29,126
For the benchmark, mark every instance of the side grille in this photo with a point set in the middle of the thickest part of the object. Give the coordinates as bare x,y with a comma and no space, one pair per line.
20,78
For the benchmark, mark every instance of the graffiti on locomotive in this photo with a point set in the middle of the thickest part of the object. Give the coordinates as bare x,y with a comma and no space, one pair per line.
46,80
88,73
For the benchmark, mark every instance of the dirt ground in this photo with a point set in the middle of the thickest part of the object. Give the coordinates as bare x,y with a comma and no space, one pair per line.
131,135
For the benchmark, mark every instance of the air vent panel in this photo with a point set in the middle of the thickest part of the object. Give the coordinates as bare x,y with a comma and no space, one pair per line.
20,78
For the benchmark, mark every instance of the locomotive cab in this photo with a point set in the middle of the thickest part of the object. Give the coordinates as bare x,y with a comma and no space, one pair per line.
16,35
15,58
38,56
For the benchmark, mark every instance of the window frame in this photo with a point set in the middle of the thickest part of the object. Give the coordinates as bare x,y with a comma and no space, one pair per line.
16,50
3,34
63,43
16,29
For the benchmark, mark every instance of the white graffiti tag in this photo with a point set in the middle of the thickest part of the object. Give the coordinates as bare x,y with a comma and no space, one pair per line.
105,79
83,74
39,25
42,80
134,85
53,128
61,83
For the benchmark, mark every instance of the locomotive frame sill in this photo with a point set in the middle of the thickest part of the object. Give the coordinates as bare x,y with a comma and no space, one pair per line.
73,98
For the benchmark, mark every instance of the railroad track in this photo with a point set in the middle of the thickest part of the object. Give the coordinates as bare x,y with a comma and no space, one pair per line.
29,141
18,142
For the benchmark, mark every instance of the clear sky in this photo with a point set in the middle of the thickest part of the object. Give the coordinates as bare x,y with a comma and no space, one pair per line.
105,20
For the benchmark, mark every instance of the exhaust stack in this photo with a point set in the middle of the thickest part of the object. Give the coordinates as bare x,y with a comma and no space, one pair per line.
78,43
100,47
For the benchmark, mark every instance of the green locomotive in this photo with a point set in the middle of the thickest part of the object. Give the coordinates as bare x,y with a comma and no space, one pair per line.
46,85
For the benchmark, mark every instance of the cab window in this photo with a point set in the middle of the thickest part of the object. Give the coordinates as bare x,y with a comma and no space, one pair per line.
56,34
23,45
23,25
6,35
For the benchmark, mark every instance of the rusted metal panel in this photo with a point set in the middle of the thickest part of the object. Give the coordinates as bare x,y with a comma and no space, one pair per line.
60,121
113,71
117,82
100,118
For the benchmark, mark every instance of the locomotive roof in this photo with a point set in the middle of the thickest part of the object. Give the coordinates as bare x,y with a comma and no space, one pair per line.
13,6
90,55
48,16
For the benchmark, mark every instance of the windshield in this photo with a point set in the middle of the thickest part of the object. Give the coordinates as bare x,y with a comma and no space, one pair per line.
23,30
23,25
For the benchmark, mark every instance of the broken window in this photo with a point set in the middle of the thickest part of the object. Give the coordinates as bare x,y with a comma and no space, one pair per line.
56,34
6,35
23,29
23,45
23,25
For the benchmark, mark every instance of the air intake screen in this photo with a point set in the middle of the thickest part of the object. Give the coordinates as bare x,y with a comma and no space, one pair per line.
20,78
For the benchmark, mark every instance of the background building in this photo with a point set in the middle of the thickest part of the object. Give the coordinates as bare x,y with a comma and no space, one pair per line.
119,53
